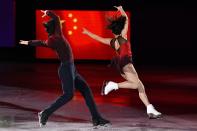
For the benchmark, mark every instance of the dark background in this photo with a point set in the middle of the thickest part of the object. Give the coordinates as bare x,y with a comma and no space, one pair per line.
7,23
163,32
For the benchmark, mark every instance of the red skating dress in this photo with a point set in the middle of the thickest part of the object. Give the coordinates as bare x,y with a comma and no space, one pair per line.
123,54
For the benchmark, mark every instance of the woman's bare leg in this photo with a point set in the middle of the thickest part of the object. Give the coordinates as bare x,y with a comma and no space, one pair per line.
127,85
142,94
133,82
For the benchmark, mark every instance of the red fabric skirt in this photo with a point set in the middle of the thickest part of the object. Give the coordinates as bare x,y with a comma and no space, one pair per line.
119,62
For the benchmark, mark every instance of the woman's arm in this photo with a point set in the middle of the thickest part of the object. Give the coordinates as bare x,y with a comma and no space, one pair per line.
123,13
96,37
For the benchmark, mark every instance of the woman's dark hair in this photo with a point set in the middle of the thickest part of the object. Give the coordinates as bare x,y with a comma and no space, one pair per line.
116,24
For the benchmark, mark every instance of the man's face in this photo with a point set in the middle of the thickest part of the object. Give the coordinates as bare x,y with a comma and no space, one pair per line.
49,26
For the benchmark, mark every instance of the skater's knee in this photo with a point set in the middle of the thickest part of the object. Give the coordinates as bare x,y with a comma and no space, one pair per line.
136,84
70,96
87,89
67,96
84,89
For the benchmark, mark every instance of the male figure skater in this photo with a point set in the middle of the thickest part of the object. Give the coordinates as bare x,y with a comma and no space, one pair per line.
68,74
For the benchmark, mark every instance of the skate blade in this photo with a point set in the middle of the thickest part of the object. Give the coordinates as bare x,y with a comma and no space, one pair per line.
39,120
103,88
41,125
152,116
102,126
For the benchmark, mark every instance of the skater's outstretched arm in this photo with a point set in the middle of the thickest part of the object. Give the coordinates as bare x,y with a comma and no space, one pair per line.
33,43
123,13
96,37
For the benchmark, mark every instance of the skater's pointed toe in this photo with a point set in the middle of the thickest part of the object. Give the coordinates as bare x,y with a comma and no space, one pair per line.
100,122
153,116
108,87
103,88
153,113
42,117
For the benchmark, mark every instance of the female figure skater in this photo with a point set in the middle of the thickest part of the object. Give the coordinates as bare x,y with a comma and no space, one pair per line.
67,72
123,60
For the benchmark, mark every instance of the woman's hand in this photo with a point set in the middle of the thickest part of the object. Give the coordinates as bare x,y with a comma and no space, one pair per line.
23,42
45,13
119,8
85,31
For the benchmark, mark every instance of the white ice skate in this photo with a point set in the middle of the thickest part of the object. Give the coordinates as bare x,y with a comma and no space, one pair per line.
152,112
108,87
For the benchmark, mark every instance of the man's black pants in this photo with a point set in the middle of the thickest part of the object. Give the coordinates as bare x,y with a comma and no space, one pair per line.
70,79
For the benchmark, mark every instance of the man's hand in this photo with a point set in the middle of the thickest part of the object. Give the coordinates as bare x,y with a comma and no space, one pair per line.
23,42
45,13
119,8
